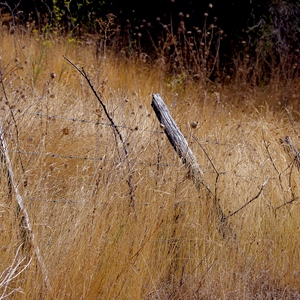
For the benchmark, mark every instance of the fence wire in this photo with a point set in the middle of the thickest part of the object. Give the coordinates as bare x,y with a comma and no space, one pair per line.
83,121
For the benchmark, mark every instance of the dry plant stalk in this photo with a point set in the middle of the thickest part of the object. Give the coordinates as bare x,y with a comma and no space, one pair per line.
12,272
291,149
115,128
25,225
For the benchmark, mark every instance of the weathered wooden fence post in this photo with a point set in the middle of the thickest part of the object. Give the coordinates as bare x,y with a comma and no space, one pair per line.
181,147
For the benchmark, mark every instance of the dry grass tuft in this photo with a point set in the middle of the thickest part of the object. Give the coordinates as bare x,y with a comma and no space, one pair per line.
72,174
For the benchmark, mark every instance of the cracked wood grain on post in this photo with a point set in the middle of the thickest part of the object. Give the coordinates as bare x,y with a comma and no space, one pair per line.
177,139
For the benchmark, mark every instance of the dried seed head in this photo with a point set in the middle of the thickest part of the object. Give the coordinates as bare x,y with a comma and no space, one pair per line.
194,124
66,131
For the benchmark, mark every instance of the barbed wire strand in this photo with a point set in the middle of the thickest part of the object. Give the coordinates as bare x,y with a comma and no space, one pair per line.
58,117
85,121
66,156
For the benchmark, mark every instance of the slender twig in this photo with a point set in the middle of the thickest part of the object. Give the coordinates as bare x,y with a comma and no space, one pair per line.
290,118
269,154
291,149
17,137
286,203
223,218
114,126
12,114
215,169
11,10
272,161
290,183
212,164
251,200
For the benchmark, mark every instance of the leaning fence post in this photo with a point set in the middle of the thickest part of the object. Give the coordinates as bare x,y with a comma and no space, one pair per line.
181,147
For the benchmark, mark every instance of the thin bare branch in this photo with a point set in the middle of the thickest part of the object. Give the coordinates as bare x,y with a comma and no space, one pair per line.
286,203
250,201
115,128
291,120
291,149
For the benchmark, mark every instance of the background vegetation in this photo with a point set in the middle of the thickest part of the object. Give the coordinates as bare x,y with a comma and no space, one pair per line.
73,176
263,35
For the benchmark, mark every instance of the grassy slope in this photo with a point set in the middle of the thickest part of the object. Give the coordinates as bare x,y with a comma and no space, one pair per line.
95,246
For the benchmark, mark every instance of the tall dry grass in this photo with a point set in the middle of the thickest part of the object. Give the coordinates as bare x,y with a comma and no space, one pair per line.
72,175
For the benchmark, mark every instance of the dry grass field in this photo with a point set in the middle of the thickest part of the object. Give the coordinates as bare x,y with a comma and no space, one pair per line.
73,176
